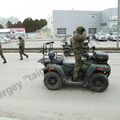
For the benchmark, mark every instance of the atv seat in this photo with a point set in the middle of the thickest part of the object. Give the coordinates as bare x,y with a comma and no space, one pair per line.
71,65
57,61
100,57
54,58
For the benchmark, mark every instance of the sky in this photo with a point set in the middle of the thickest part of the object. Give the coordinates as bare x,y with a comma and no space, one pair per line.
41,9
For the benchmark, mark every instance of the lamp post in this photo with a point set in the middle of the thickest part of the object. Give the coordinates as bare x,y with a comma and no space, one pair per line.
118,24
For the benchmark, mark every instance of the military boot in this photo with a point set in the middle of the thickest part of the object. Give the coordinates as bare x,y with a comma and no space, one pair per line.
21,57
4,61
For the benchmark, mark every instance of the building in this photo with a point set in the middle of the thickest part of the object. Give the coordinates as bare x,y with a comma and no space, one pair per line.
64,22
108,20
12,32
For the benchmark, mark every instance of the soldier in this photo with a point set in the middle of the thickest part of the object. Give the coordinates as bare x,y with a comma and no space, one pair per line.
22,47
77,45
1,53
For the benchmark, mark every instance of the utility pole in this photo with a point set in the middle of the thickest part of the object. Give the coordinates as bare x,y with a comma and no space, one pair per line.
118,24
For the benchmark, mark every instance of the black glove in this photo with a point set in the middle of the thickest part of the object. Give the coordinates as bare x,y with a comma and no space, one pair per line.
88,37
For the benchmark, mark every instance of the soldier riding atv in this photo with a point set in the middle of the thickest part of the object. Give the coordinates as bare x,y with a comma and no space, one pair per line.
93,74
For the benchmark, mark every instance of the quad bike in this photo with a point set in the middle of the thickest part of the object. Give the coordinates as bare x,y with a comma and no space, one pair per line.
93,74
67,48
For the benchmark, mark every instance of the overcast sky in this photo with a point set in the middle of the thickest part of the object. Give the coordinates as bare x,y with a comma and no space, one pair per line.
42,8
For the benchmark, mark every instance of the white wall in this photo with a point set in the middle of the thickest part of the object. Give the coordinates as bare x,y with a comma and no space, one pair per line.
71,19
106,17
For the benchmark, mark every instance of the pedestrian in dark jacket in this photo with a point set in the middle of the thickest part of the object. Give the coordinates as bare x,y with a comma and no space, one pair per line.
1,54
21,48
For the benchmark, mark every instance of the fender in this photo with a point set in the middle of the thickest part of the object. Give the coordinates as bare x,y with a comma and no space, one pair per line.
94,68
55,68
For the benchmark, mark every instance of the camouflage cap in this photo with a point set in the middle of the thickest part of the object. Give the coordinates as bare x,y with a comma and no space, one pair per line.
80,29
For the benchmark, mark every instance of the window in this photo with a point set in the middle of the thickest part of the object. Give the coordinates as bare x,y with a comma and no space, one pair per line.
103,24
92,30
61,30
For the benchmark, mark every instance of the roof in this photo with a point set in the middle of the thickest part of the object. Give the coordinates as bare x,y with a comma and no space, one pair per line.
5,30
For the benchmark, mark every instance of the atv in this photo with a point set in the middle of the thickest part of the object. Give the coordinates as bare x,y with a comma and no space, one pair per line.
93,74
67,47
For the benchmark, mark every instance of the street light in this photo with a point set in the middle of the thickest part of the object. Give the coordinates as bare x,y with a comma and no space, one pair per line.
118,24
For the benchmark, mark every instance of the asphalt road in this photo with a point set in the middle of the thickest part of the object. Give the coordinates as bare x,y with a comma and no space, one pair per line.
24,96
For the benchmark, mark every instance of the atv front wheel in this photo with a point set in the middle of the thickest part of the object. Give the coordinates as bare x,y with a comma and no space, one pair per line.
98,82
53,81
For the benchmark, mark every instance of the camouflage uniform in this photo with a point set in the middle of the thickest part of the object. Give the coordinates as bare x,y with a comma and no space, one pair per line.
21,48
1,53
77,46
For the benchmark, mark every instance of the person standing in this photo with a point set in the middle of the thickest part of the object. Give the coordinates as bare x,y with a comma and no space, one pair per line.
78,38
21,48
1,54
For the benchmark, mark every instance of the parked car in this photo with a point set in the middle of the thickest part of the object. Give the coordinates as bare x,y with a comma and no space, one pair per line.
101,37
107,35
4,39
114,36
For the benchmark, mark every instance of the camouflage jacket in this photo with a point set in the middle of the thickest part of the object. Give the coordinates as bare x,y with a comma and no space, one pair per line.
0,48
21,44
77,43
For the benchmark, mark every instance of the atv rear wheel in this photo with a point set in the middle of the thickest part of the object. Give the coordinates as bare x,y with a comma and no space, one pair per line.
98,82
53,81
67,52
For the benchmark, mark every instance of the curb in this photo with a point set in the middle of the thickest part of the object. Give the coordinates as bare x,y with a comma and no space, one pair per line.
38,50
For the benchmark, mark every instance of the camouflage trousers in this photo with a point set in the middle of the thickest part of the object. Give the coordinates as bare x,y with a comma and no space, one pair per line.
21,52
2,56
78,63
